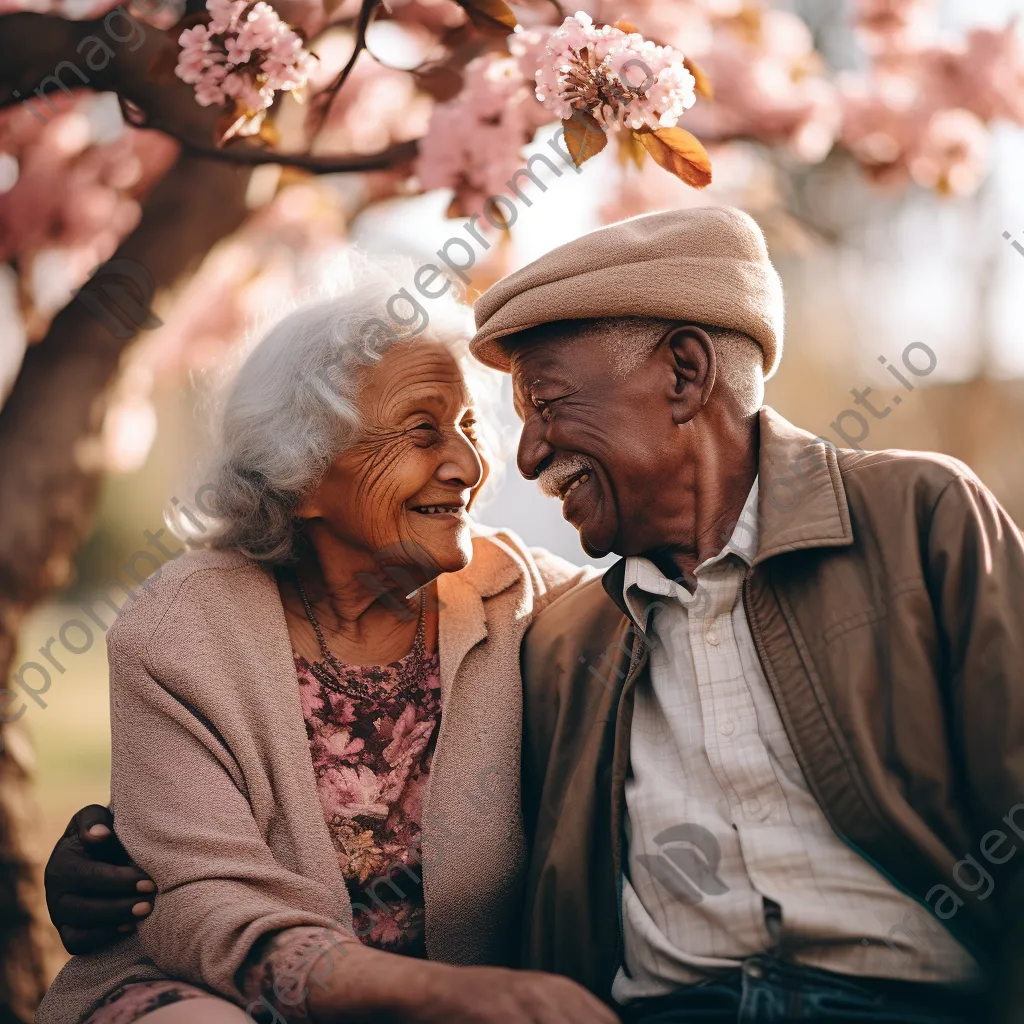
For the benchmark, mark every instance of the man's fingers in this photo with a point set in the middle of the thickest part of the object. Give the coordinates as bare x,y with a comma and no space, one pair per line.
89,913
93,824
94,827
87,940
112,880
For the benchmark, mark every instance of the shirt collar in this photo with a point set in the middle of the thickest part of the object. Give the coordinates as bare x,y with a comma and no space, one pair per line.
643,580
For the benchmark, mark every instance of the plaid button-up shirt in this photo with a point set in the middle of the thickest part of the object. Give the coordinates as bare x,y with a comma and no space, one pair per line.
729,855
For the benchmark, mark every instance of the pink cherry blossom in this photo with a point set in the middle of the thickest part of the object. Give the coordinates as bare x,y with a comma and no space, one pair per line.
952,156
223,15
880,126
983,73
474,141
245,54
896,25
620,78
921,113
994,73
80,177
769,87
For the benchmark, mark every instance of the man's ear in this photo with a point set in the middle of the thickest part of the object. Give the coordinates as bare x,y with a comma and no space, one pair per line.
692,356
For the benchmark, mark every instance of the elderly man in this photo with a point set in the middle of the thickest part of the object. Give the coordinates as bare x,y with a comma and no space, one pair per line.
774,759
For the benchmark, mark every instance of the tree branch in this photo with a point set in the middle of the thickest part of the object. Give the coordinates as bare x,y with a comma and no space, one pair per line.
246,155
327,97
33,45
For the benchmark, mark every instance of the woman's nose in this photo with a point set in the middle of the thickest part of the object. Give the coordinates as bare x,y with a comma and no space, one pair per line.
463,464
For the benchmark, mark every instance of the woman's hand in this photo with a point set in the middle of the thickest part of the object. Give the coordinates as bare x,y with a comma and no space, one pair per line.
374,986
94,893
489,995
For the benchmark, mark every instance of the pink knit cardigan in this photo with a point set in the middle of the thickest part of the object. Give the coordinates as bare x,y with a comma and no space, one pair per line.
213,788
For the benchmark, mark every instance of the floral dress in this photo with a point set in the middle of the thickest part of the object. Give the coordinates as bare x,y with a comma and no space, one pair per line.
371,733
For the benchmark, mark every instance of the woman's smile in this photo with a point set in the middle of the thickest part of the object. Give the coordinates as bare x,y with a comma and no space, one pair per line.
446,512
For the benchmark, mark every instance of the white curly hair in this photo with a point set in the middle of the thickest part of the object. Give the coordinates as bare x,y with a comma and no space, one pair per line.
292,406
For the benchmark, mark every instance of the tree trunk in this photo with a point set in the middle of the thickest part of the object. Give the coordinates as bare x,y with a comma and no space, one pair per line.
47,492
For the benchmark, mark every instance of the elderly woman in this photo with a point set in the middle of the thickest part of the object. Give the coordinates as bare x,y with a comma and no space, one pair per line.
316,718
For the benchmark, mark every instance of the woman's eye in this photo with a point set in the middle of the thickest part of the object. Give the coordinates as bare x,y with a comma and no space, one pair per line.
424,433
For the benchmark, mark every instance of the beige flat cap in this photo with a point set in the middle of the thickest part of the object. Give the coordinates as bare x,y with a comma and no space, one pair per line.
708,265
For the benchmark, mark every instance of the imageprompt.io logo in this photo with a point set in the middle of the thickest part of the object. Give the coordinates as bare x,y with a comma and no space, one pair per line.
687,863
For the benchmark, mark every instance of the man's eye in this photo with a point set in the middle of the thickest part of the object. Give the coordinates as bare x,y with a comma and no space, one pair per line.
424,426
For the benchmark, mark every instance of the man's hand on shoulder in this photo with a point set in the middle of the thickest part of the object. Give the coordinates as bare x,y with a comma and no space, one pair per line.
94,892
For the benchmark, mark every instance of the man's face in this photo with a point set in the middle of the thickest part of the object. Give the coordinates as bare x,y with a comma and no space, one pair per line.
598,441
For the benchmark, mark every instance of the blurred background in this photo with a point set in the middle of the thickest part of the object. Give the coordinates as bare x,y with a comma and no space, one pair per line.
878,143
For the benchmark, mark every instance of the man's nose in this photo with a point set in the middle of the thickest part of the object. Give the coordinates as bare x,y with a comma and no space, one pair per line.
534,450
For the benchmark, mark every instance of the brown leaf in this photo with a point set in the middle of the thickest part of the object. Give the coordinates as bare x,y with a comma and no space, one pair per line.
702,84
631,150
489,15
499,215
236,124
584,137
679,152
227,127
442,81
623,25
269,134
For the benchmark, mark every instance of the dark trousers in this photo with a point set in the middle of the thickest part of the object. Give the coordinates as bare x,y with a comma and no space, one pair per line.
771,991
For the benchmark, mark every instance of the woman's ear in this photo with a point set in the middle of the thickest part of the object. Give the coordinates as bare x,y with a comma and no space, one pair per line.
691,354
311,508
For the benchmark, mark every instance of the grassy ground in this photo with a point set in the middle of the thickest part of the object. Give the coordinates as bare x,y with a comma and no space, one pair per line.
70,741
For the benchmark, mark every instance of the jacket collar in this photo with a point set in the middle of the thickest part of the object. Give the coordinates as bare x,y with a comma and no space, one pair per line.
462,622
801,499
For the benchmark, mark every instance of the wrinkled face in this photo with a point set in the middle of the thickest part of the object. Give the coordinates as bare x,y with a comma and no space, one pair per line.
597,441
401,489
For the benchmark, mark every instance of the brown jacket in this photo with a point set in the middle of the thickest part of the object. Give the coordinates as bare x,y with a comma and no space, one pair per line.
886,601
213,787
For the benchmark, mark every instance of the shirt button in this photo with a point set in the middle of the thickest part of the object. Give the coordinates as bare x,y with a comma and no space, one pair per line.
753,806
712,637
727,728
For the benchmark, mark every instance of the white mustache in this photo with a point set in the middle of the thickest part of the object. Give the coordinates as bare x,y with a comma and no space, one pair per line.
553,477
